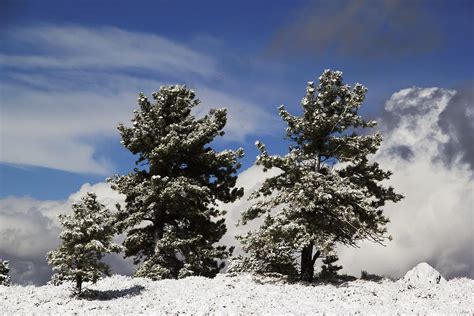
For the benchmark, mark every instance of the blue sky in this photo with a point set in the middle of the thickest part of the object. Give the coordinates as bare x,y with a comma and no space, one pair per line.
70,72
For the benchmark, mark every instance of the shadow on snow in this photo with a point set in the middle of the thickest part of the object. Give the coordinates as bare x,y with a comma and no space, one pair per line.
111,294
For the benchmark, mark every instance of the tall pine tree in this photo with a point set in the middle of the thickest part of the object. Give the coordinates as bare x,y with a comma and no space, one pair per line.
171,217
328,192
87,236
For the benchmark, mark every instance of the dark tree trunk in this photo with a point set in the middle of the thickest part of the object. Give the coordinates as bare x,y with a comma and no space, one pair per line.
78,285
307,266
160,227
158,234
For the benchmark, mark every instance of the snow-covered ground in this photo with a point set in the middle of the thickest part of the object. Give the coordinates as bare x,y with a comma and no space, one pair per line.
243,294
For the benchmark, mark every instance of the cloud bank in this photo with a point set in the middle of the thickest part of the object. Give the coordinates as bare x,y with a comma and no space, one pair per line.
457,121
434,222
30,228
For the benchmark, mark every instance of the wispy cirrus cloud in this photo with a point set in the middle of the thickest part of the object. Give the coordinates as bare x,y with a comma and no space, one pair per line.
77,83
103,48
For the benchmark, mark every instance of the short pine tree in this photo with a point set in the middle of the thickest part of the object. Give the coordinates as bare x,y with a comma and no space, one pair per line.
271,250
329,269
171,218
4,273
87,236
364,275
328,191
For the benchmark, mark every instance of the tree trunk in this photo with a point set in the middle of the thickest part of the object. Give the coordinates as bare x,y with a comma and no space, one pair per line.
159,232
307,266
78,284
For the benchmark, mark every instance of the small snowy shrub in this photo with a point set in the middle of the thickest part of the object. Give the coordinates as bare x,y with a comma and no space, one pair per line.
329,270
364,275
86,238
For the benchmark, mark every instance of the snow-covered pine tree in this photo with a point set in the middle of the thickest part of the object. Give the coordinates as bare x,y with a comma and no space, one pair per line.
171,218
328,191
329,269
87,236
4,273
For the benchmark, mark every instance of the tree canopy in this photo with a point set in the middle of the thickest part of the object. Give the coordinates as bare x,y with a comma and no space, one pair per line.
171,217
87,236
329,192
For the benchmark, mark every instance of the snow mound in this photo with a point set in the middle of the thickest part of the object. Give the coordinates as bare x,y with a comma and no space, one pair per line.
423,274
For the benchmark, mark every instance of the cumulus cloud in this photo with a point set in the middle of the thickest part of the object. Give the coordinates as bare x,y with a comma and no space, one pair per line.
78,83
29,228
358,28
434,222
250,179
457,121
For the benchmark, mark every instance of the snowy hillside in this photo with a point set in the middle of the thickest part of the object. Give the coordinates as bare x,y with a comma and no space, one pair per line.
244,294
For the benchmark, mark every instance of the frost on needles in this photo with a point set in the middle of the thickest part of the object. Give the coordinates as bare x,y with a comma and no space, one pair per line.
328,192
4,273
171,218
87,236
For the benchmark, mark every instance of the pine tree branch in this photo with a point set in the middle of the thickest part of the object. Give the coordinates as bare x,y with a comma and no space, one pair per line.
316,256
149,219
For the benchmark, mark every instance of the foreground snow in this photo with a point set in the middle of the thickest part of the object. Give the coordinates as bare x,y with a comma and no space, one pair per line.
243,294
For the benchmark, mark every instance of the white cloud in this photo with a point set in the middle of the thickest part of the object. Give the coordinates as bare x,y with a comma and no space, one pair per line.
250,179
57,129
72,91
80,47
434,222
242,116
